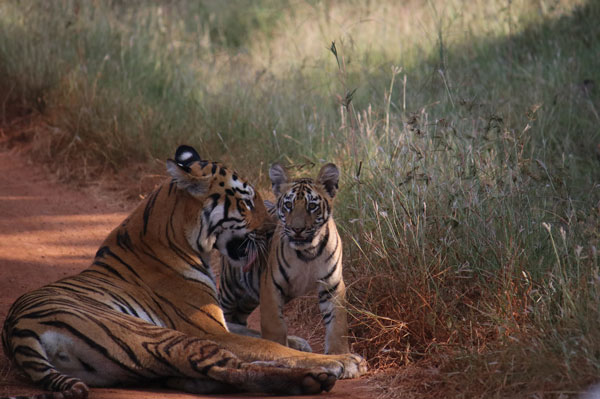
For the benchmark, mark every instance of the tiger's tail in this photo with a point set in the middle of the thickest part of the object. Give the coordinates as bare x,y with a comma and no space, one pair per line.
78,390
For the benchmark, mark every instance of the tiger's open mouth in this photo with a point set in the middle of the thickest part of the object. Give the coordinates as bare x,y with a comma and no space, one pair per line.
239,248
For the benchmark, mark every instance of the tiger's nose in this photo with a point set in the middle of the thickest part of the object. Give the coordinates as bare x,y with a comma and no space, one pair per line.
297,230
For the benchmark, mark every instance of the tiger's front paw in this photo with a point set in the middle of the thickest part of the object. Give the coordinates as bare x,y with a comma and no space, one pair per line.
273,377
317,381
354,365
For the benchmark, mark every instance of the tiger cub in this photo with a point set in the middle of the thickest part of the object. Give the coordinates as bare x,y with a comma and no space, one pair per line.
239,287
305,253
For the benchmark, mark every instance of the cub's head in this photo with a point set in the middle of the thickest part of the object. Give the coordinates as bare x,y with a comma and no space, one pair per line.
304,205
221,209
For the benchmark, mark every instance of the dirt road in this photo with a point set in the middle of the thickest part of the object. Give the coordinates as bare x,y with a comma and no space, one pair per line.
48,231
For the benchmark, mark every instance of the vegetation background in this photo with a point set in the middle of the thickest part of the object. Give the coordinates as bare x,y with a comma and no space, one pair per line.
467,133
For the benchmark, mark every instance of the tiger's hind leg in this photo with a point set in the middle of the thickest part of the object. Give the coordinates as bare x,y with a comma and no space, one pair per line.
332,303
32,357
109,348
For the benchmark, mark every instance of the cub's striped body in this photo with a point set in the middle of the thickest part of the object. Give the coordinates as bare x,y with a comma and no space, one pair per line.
239,292
305,255
147,308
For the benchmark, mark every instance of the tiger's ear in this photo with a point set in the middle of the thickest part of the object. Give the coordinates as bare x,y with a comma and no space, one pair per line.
186,155
181,172
329,176
278,177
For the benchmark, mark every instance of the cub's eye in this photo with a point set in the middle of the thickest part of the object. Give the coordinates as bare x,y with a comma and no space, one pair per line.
249,204
312,206
287,204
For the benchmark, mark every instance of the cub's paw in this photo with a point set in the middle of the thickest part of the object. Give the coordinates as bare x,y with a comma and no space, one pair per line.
273,378
354,365
300,344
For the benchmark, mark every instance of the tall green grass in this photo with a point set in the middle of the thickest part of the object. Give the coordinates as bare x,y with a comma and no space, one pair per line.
467,133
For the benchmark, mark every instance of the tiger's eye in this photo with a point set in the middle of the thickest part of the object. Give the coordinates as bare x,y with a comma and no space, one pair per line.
288,204
312,207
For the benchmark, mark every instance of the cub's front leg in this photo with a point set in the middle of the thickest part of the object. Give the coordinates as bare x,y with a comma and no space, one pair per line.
332,303
272,324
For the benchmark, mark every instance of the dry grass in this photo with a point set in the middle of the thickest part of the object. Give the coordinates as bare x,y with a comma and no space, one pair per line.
466,133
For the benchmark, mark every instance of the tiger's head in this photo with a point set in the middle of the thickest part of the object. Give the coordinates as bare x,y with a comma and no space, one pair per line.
304,205
225,212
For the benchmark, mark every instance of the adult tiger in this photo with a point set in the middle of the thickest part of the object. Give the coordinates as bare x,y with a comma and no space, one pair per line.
305,255
147,308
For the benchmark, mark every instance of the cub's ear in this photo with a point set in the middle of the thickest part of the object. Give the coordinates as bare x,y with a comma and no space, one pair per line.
278,177
181,172
329,176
